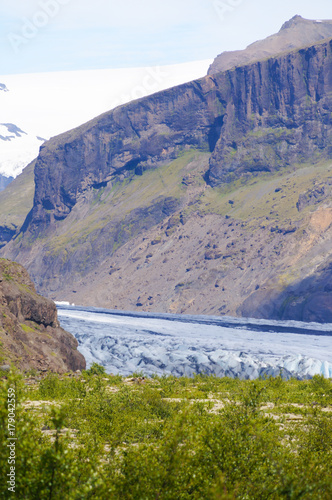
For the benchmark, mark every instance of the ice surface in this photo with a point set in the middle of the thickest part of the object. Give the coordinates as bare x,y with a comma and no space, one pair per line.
48,104
16,151
171,344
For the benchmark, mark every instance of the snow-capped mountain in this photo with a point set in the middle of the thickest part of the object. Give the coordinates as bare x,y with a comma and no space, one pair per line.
35,107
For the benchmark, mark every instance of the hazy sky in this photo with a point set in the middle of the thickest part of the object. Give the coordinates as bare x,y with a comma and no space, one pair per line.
53,35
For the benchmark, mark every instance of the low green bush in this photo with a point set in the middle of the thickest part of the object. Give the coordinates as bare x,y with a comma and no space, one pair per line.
104,437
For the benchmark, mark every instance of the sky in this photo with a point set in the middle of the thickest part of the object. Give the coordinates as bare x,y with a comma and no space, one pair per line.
61,35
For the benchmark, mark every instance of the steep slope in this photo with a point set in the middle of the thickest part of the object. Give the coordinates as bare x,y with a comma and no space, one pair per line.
196,199
294,34
15,202
242,250
29,330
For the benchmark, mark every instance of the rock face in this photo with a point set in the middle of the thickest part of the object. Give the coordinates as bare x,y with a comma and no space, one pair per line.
196,199
321,192
308,300
142,135
278,114
294,34
256,118
30,334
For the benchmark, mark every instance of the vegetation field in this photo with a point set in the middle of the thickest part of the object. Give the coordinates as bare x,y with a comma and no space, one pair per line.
92,435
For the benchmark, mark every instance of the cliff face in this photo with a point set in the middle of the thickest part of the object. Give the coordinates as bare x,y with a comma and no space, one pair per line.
139,199
142,135
278,114
252,119
29,330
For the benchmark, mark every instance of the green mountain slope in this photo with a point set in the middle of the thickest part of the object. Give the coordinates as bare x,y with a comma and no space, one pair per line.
15,202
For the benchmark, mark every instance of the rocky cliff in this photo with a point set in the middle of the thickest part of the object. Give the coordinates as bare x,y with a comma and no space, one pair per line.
252,119
193,199
30,334
278,114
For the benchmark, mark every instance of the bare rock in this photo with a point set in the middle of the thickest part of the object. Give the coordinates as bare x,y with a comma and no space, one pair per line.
30,334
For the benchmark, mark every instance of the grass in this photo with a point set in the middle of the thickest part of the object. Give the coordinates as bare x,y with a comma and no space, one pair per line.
27,328
255,198
17,199
118,200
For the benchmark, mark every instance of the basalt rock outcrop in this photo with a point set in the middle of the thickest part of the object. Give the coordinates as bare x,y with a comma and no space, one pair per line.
278,115
30,334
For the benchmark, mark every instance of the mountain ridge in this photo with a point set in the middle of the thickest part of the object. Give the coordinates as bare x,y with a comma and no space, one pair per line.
195,191
295,34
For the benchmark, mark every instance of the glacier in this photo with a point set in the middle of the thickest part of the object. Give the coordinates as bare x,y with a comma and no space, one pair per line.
149,343
43,105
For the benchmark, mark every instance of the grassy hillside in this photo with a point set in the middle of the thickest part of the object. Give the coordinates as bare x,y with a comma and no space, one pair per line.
16,200
101,436
118,200
268,196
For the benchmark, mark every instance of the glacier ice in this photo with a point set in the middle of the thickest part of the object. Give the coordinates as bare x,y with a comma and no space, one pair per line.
30,99
184,345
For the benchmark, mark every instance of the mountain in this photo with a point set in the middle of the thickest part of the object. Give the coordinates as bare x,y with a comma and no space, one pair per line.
42,105
31,337
212,197
32,98
15,202
4,181
294,34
